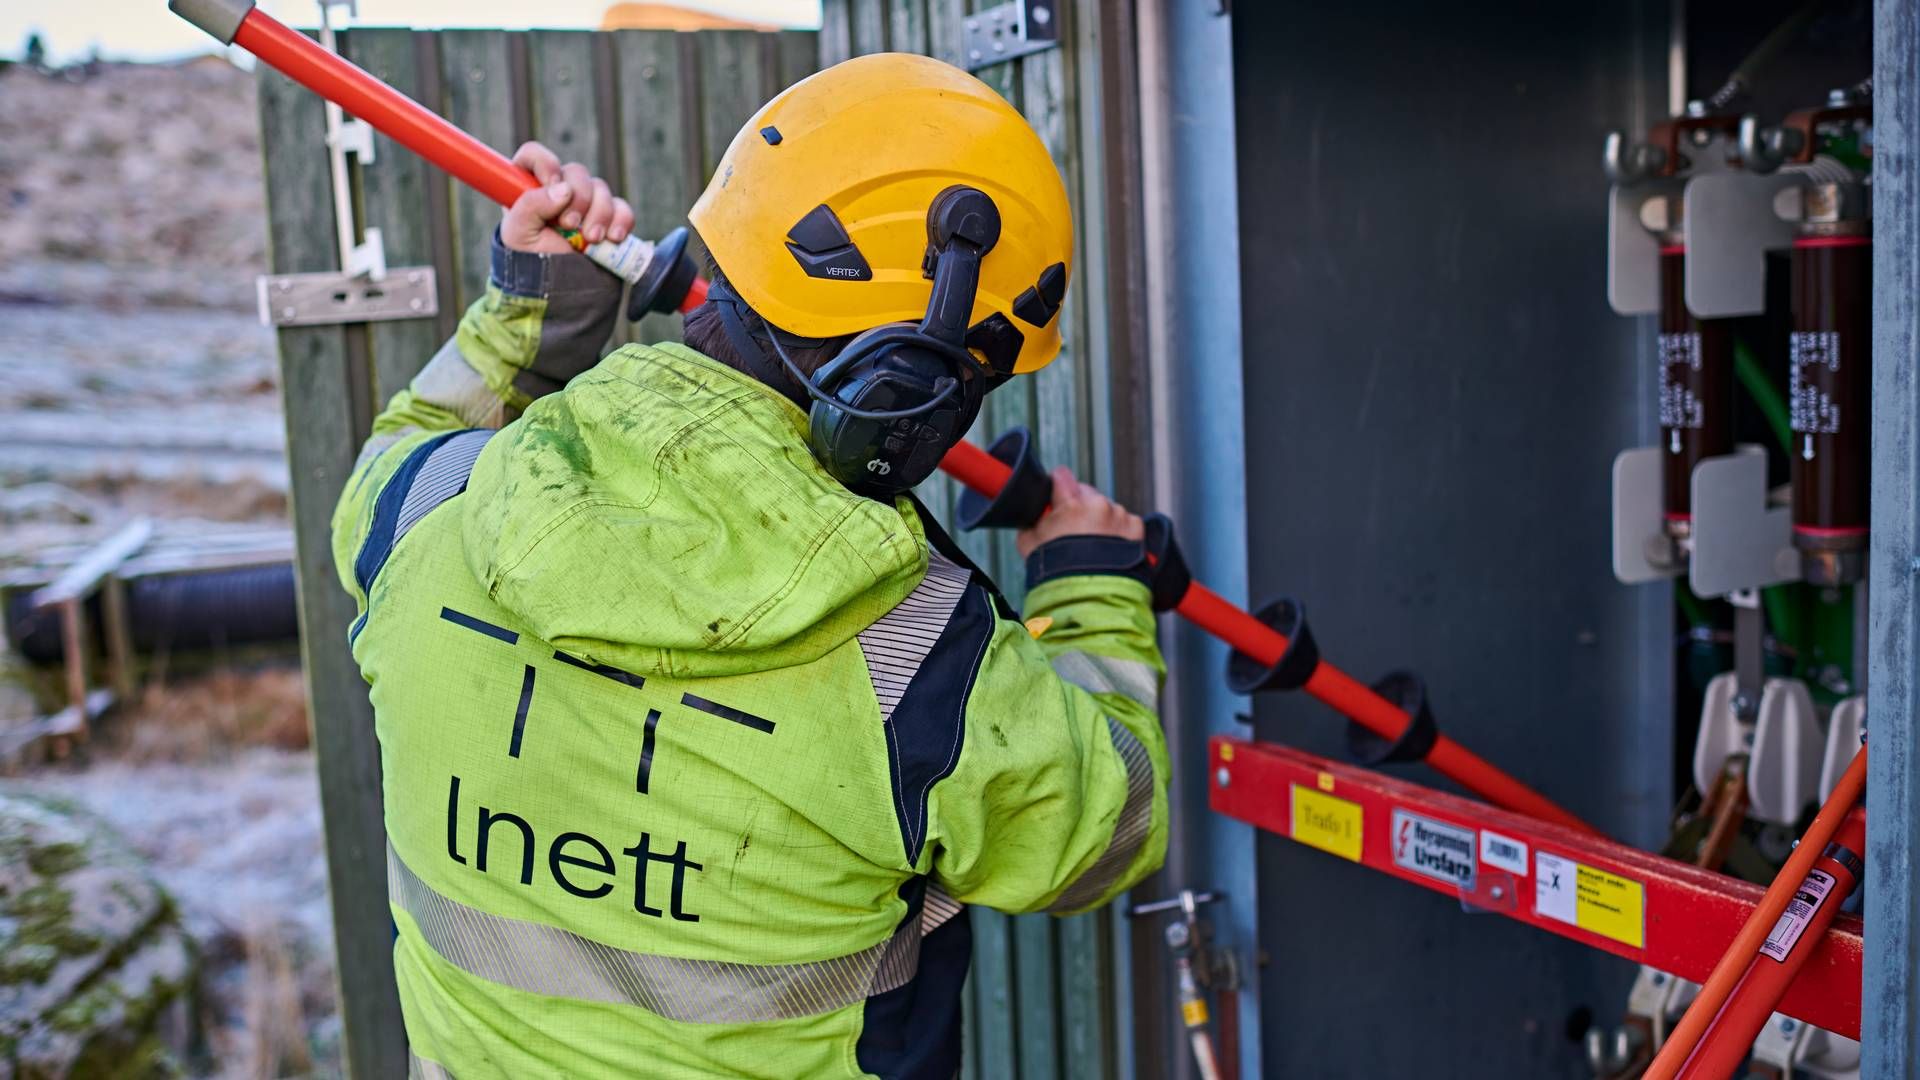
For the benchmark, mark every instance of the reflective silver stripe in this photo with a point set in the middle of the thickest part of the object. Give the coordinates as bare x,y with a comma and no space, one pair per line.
442,476
936,908
451,382
898,642
419,1068
543,959
1109,675
1129,832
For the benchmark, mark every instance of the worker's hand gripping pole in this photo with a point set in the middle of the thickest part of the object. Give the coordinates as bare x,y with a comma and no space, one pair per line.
1265,647
662,274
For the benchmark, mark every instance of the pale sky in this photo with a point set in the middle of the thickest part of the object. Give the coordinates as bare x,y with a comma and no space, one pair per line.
146,30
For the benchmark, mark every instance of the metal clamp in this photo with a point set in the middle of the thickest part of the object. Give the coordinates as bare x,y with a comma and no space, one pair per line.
330,299
1009,31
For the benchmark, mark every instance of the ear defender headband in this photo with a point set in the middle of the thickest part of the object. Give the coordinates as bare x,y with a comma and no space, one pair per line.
884,412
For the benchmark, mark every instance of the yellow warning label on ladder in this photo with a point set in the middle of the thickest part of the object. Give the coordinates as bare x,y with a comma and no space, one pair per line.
1592,899
1326,822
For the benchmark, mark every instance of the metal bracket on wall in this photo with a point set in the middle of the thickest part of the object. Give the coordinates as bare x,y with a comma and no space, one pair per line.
1011,30
407,292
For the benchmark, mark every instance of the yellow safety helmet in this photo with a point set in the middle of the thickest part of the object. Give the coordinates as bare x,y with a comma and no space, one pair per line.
817,215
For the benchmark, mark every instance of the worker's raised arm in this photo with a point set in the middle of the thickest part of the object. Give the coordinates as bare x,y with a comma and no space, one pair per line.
546,313
1058,798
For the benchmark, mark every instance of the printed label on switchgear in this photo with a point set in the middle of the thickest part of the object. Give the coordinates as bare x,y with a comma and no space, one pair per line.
1328,823
1434,848
1504,852
1591,899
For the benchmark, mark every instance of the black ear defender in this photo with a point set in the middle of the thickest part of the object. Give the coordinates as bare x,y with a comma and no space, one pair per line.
898,397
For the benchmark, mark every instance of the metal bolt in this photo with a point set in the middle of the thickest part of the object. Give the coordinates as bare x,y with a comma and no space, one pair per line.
415,277
1786,1026
287,313
999,46
1836,98
1222,777
1659,978
416,304
973,24
1041,15
1498,892
1696,108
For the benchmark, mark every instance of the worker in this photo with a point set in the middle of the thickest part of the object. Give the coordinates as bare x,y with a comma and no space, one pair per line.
697,733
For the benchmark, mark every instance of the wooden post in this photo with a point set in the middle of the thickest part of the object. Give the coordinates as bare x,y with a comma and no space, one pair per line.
327,387
73,646
407,200
119,637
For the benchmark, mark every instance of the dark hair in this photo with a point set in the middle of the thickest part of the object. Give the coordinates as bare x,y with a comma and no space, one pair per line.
705,332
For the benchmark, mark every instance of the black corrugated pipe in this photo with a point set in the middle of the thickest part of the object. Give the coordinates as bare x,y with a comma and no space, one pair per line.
209,609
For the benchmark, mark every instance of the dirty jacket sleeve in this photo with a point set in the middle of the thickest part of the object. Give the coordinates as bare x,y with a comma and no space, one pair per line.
1058,800
543,320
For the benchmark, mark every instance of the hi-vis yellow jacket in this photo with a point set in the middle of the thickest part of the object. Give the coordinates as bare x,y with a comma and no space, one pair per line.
691,757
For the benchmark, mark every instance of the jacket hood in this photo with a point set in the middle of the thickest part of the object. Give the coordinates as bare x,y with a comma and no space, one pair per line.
664,515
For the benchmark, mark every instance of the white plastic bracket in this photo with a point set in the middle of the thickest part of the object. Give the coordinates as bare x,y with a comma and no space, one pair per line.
1740,539
1783,745
1783,768
1730,225
1661,998
1639,518
1804,1052
1722,733
1633,253
1846,731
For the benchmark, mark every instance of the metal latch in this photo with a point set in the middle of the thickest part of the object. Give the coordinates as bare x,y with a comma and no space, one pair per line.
1010,30
407,292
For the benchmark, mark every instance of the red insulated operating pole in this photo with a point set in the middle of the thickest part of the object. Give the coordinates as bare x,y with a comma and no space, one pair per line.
410,124
1213,613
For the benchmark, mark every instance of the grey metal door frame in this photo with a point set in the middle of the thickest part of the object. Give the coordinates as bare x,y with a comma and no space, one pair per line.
1890,1017
1190,203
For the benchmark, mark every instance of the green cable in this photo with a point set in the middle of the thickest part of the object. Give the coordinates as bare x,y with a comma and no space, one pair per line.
1783,614
1833,628
1690,607
1771,404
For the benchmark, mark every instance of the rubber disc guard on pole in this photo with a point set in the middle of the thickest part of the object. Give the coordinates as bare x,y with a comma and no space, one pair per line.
1408,691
